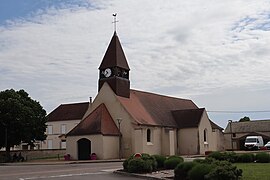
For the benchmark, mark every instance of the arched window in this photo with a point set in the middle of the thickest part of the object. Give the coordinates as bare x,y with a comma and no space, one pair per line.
148,135
205,135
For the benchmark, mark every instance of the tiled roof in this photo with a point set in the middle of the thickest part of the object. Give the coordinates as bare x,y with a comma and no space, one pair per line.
215,126
114,55
249,126
153,109
66,112
188,118
98,122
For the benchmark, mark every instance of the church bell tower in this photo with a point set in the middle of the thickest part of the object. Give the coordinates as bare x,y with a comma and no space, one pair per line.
114,69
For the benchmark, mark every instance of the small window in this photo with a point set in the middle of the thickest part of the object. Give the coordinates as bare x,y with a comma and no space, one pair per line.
234,135
50,129
63,144
148,132
205,135
50,144
63,129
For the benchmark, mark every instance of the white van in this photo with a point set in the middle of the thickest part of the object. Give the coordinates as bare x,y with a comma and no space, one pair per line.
253,142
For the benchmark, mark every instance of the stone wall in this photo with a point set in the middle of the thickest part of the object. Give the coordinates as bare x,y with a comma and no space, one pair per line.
39,154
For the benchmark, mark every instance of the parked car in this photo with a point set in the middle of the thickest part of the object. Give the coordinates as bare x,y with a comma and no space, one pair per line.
253,142
267,145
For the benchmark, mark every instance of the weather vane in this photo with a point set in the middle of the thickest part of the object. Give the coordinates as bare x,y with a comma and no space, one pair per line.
114,21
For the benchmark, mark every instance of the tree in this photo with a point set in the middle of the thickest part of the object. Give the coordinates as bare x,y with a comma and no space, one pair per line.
244,119
22,119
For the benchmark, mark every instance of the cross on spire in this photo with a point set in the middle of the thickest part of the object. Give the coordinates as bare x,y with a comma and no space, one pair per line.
114,21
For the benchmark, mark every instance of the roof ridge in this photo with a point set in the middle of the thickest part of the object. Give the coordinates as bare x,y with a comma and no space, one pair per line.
162,95
253,120
75,103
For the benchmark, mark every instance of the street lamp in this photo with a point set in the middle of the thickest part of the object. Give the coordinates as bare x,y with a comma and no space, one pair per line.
230,123
119,120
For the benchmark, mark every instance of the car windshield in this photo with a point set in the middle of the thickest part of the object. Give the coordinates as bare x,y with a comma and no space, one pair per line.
251,140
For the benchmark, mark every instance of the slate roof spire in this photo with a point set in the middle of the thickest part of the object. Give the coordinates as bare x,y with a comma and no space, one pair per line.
114,56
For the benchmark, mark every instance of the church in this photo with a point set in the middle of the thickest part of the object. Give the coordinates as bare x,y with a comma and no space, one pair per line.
121,121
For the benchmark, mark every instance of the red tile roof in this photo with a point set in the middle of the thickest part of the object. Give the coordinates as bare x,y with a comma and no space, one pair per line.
153,109
66,112
98,122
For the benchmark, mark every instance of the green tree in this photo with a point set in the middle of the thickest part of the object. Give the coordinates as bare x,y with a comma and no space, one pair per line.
244,119
22,119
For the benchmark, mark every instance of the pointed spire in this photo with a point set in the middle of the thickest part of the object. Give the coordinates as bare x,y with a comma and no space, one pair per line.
114,56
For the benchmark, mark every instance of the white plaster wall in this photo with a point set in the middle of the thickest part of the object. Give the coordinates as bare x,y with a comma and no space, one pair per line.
154,147
115,108
215,139
138,140
56,125
97,145
165,142
111,147
188,141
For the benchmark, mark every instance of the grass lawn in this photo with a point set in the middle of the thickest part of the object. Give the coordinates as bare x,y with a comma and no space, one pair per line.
260,171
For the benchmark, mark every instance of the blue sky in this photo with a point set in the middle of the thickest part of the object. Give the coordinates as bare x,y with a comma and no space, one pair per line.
216,53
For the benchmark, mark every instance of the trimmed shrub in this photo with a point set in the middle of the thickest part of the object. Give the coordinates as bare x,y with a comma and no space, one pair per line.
160,160
143,164
224,170
182,169
245,158
223,156
199,171
150,160
125,163
172,161
262,157
136,165
216,155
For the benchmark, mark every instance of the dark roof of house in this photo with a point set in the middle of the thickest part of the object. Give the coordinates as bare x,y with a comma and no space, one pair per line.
66,112
97,122
249,126
153,109
188,118
215,126
114,55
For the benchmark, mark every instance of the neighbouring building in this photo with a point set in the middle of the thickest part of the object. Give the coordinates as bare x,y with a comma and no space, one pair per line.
236,132
122,121
60,121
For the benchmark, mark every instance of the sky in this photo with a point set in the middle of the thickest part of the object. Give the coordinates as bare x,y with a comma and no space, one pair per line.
215,53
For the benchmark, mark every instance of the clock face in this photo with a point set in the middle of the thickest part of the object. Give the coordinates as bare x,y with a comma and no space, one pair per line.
107,72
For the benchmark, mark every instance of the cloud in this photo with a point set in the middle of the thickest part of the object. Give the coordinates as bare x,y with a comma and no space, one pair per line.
187,49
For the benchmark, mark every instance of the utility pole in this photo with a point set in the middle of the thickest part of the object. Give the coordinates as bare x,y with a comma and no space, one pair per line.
119,120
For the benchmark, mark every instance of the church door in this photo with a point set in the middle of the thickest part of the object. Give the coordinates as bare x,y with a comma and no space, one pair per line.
84,149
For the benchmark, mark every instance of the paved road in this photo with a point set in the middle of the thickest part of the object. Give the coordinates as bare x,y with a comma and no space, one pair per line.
80,171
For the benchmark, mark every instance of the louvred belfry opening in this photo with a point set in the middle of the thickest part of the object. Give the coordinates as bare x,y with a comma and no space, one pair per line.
114,69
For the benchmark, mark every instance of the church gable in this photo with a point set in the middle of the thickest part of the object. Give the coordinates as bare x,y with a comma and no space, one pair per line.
189,118
97,122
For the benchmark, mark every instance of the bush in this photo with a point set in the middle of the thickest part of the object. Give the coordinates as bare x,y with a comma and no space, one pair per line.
262,157
160,160
224,170
125,163
182,169
144,164
150,160
245,158
172,161
225,156
199,171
